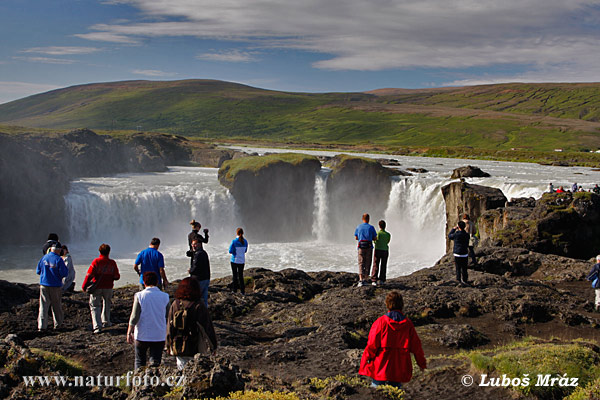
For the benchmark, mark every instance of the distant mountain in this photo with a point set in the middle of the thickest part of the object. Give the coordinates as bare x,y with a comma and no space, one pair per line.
504,116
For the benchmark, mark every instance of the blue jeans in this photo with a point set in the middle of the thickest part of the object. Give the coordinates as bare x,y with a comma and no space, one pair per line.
204,290
394,384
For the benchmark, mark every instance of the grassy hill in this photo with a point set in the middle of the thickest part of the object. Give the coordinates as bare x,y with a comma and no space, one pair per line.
538,117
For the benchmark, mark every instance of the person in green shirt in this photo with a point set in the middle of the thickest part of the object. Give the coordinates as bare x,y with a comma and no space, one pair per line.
382,252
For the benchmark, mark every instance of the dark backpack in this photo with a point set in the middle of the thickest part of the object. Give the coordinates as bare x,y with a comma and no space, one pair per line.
183,331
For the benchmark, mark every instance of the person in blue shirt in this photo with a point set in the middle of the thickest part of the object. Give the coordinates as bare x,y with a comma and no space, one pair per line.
238,249
365,234
151,260
52,270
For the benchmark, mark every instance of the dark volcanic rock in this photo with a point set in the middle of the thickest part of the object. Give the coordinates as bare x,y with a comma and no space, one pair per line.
274,194
292,326
465,198
14,294
559,223
417,170
469,172
461,336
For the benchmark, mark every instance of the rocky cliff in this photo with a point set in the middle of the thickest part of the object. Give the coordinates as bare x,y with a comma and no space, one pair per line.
356,186
558,223
37,169
274,194
465,198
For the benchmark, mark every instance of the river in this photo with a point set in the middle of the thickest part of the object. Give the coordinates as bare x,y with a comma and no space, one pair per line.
127,210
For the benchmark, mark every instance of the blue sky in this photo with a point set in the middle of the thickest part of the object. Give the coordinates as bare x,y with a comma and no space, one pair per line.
297,45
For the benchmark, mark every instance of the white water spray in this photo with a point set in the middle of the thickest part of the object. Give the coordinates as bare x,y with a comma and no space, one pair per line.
320,227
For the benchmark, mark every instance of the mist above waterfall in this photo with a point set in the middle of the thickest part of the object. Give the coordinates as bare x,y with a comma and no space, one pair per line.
127,210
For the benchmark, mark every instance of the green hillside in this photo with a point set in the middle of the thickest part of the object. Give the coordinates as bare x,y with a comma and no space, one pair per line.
538,117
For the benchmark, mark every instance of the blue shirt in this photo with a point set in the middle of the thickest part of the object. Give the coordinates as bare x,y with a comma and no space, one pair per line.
365,232
151,260
238,251
52,270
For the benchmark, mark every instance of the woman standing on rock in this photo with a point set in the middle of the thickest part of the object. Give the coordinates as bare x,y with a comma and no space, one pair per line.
238,249
392,338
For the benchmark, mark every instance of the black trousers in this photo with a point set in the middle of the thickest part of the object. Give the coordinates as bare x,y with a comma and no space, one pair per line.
380,265
472,255
461,268
237,270
141,348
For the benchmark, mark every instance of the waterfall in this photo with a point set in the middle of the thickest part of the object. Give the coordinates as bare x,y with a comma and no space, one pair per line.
415,216
132,211
320,227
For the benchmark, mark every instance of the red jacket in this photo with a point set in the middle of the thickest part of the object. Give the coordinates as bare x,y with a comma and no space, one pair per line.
104,271
387,355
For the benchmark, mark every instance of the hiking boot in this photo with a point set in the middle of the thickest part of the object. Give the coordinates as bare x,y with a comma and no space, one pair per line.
97,331
360,284
374,283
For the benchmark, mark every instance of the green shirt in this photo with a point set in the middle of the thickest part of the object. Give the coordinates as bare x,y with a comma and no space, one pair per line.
383,238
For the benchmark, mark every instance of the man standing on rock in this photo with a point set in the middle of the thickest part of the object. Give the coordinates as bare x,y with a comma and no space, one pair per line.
147,329
52,270
461,251
200,269
151,260
365,234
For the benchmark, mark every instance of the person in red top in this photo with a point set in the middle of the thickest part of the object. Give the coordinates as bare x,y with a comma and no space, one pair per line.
103,272
392,338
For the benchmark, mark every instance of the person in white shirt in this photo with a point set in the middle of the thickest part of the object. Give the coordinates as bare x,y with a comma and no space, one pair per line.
147,329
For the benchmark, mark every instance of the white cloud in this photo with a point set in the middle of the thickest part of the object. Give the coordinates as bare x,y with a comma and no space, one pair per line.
107,37
46,60
228,56
61,50
15,90
372,35
152,72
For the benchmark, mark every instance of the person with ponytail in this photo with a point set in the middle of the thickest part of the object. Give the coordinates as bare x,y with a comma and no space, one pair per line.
195,234
238,249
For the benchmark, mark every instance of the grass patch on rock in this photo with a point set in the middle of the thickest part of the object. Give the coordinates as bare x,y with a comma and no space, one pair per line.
60,363
253,164
537,360
258,395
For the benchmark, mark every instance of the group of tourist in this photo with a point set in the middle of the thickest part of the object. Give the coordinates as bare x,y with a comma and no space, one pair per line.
184,325
574,188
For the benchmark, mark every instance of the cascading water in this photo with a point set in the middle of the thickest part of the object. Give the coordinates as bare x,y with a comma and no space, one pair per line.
415,217
320,227
127,210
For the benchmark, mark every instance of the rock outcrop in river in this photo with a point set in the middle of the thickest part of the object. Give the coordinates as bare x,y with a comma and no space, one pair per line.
274,193
356,186
465,198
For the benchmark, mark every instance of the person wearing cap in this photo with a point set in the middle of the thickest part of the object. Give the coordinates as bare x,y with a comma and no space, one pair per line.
52,270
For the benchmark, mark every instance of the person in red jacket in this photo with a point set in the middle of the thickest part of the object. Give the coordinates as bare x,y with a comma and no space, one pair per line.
392,338
103,272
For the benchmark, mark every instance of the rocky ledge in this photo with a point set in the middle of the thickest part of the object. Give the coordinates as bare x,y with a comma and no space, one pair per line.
304,333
